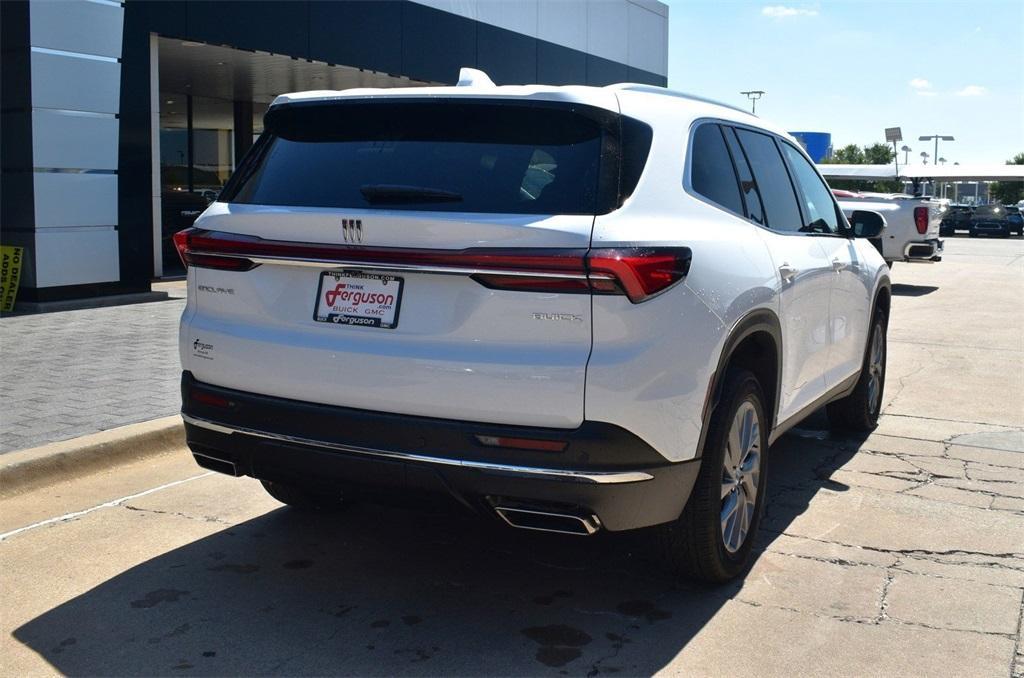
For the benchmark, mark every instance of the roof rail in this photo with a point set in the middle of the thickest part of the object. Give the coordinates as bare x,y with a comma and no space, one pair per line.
654,89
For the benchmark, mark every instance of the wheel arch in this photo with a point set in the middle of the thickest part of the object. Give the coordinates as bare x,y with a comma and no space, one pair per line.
755,343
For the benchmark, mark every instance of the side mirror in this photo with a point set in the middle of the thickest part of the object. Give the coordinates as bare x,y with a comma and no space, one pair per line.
867,224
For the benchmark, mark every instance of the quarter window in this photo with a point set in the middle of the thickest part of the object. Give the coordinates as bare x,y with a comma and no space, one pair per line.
711,170
819,208
772,181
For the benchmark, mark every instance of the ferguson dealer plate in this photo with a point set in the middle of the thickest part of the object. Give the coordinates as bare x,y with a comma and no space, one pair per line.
354,298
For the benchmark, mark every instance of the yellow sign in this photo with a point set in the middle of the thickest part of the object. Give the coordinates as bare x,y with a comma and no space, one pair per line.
10,274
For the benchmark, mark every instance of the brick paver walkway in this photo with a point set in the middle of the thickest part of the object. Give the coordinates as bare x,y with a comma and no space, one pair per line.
76,372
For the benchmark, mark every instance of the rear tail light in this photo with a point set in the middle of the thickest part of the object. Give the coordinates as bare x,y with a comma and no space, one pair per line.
921,219
638,272
207,398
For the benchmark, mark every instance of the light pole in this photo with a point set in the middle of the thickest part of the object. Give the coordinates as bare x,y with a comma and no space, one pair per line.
753,95
936,137
906,154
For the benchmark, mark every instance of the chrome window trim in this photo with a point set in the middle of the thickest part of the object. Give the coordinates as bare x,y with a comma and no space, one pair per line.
572,475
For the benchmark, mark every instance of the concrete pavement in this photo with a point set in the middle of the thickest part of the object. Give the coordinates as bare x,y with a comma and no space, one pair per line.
900,553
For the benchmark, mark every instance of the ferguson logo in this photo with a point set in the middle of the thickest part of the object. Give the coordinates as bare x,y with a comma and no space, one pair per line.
341,292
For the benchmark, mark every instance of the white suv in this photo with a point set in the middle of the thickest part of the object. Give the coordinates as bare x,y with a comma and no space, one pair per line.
572,308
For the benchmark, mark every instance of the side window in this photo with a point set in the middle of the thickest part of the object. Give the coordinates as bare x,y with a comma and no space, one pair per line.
773,182
755,210
819,208
711,171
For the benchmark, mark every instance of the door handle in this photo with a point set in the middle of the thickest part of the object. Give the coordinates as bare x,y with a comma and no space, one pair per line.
787,273
837,265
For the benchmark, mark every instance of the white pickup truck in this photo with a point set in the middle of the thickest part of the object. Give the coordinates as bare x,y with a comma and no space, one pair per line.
912,224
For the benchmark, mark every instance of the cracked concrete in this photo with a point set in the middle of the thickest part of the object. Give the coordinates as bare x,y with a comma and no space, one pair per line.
898,553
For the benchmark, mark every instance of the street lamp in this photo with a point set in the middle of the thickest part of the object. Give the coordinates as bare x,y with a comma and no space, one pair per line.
906,154
753,95
936,137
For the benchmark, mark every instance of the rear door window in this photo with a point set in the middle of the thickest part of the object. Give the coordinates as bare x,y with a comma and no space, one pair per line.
711,171
751,198
773,183
438,155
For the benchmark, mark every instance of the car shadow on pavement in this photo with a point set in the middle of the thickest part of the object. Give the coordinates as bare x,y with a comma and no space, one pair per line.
385,591
904,290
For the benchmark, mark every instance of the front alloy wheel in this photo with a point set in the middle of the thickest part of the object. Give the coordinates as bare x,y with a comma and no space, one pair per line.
859,411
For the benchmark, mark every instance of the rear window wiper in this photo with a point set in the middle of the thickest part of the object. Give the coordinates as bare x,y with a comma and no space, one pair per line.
394,194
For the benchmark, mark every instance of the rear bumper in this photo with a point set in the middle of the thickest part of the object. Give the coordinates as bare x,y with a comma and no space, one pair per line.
604,470
927,250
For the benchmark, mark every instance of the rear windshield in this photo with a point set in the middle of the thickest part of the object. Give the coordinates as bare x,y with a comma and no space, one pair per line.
439,155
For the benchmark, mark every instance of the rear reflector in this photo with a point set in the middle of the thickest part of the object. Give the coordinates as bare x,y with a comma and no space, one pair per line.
921,219
523,443
638,272
206,398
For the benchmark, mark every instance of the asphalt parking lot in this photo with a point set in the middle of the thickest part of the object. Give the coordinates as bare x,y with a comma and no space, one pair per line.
901,553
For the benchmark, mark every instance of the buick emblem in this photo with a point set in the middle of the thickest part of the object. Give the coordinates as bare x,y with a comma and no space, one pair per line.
352,230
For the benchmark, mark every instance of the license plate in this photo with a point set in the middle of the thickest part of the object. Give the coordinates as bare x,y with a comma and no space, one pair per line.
355,298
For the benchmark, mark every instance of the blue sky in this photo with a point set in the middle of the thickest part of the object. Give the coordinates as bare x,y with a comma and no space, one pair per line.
854,68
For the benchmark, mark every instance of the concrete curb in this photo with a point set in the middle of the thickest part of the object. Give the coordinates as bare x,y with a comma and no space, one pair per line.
30,469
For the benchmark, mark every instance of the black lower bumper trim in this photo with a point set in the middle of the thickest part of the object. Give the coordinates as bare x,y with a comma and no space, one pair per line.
385,457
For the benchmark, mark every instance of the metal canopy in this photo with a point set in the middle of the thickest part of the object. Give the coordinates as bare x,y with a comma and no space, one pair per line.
964,172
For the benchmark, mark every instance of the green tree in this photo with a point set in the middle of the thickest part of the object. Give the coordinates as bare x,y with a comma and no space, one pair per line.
878,154
1009,192
852,154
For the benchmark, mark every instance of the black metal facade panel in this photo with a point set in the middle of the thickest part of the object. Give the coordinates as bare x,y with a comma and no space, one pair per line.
509,58
436,44
17,199
601,71
278,26
557,65
135,154
364,34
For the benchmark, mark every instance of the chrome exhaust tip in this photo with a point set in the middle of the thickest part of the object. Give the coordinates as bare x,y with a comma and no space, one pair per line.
547,521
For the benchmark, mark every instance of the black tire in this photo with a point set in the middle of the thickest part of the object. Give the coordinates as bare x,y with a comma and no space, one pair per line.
301,498
859,411
694,545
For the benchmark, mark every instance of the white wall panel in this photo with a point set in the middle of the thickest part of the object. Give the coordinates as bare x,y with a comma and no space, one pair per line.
75,83
563,22
75,199
648,40
76,256
76,26
515,15
70,140
606,29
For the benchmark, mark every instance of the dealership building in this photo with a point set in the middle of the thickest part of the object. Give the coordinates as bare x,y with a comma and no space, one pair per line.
121,120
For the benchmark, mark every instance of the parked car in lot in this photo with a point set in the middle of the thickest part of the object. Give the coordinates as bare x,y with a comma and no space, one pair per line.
990,220
957,218
912,225
1015,218
570,308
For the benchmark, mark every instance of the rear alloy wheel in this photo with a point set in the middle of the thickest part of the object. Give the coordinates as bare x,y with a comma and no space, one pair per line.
859,411
302,498
713,537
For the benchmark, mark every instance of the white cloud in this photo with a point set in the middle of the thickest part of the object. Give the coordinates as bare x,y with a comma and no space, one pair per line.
783,12
972,91
920,83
